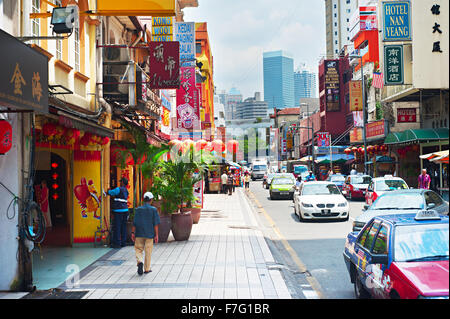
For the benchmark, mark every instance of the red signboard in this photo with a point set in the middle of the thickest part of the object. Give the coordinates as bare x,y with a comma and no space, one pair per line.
375,129
406,115
323,139
188,108
164,60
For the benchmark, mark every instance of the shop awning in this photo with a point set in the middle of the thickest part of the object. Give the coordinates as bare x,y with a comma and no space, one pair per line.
417,135
436,157
306,158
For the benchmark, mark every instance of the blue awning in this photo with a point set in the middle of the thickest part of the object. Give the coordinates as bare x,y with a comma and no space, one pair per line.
336,158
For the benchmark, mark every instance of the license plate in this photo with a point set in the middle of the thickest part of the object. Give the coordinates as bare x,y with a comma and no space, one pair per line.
326,211
284,193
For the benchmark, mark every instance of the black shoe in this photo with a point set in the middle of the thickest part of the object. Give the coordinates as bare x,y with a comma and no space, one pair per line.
116,246
146,272
140,268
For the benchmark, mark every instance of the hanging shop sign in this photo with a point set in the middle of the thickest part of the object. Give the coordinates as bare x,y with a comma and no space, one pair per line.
355,94
323,139
396,20
162,8
162,28
332,85
23,76
188,110
185,34
376,130
356,135
164,63
407,115
393,65
5,137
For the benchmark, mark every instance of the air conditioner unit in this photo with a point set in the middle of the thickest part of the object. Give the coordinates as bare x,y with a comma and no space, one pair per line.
118,74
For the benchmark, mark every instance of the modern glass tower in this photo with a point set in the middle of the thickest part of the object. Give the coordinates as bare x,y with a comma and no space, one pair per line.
305,85
278,79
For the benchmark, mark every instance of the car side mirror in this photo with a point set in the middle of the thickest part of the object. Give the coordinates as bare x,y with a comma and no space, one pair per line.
431,205
379,259
366,206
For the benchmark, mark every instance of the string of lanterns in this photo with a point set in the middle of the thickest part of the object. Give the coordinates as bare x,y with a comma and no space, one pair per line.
58,134
371,150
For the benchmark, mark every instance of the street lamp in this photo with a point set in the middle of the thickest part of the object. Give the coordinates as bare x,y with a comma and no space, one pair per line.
364,110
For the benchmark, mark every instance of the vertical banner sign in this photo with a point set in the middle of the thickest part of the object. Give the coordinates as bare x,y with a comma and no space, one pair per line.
187,112
355,96
185,34
393,64
87,195
323,139
396,21
332,85
165,116
164,63
162,29
198,192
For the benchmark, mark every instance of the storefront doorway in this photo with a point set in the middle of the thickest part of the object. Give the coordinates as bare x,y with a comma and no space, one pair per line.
51,185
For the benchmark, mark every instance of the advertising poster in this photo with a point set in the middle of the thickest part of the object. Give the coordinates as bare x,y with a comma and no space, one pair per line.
87,195
198,192
332,86
188,112
184,32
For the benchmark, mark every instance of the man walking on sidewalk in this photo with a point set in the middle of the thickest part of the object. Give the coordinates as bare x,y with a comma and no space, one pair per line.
230,180
119,208
424,180
145,233
224,179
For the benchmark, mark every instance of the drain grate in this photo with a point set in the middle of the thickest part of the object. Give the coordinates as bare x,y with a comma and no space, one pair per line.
55,294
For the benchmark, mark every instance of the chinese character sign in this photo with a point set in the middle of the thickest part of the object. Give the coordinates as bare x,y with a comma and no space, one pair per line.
164,60
406,115
355,96
393,64
188,111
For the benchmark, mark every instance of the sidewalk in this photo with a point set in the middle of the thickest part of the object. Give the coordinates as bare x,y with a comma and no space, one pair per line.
225,257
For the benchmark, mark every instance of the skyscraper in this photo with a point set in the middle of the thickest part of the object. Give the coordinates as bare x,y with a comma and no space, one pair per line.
278,79
305,85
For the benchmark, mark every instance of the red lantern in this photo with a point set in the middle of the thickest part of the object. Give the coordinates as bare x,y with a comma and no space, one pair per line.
105,140
5,137
200,145
218,146
347,151
354,149
370,149
233,146
49,130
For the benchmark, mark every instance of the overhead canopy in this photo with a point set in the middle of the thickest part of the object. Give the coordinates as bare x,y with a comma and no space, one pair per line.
382,159
436,157
417,135
336,158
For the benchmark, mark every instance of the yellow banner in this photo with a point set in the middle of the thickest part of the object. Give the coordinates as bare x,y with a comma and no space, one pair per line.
355,93
87,195
161,8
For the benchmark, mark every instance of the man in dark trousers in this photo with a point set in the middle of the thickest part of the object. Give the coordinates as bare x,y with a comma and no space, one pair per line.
145,233
119,209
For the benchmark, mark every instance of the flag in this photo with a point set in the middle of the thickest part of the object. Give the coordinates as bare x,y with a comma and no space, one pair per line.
377,80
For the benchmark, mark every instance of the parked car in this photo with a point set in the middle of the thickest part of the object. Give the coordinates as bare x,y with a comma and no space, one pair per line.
282,187
379,185
258,169
401,202
356,186
319,200
400,257
338,180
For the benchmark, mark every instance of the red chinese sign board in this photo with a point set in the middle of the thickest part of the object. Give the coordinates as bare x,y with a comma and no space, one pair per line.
164,60
406,115
188,108
323,139
375,129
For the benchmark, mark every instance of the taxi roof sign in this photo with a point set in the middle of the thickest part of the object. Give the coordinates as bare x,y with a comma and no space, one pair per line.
427,214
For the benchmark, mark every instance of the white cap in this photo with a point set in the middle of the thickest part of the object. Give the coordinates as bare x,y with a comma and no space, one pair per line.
148,195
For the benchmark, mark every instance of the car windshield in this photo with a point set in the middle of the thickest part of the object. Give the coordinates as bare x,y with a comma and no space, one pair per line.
398,201
421,242
300,169
337,178
282,181
259,167
361,179
320,189
386,185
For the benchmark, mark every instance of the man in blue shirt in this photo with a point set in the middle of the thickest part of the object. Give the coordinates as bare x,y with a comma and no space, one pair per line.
119,209
310,177
145,233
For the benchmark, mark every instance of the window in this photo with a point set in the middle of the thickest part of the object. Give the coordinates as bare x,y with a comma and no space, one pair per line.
35,24
381,243
367,238
59,48
77,48
432,198
198,47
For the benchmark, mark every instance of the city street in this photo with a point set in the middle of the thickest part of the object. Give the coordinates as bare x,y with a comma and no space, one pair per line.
318,244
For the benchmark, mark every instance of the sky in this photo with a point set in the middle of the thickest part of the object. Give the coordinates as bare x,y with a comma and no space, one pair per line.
241,30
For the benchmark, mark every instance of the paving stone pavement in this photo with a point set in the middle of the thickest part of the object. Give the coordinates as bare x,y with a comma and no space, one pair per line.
226,257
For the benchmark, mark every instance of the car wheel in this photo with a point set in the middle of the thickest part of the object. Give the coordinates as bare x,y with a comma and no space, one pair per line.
360,291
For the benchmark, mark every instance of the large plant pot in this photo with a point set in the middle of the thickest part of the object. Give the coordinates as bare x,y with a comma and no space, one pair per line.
164,228
195,212
181,226
157,205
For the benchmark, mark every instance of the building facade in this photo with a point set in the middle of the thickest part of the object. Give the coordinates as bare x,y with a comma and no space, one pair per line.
251,108
305,85
278,69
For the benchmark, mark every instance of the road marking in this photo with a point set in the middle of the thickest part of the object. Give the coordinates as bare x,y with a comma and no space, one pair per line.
310,294
311,280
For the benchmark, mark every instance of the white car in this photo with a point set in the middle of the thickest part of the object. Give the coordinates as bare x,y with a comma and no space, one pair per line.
320,200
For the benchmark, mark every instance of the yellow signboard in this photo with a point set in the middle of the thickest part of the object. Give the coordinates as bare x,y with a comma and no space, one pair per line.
355,93
162,38
161,8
